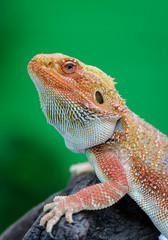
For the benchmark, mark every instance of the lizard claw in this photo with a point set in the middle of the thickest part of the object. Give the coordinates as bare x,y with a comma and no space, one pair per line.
58,198
61,205
49,206
46,217
68,215
53,221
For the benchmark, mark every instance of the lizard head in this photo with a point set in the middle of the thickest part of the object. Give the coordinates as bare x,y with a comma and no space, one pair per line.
79,100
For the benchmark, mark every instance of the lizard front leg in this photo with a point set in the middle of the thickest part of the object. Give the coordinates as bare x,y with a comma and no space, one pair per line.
113,187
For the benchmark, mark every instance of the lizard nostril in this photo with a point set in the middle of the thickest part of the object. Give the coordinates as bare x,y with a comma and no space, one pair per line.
50,64
99,97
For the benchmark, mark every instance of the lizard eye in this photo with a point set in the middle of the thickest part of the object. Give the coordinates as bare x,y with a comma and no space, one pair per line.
99,97
69,67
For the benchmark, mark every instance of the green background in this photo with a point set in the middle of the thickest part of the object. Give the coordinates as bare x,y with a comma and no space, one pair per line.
126,39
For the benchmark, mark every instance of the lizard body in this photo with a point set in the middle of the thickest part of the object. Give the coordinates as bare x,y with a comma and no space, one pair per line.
127,154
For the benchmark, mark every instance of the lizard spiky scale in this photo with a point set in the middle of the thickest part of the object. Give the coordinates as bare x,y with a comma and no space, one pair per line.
127,154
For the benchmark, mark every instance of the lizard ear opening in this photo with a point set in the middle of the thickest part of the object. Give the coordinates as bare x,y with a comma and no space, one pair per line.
99,97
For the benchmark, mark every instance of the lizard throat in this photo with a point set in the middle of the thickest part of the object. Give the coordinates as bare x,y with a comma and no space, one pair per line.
80,127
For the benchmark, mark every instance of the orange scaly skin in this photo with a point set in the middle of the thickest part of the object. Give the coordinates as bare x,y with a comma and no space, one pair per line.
127,154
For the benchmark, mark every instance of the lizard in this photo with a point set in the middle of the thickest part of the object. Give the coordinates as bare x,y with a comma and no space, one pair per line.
127,154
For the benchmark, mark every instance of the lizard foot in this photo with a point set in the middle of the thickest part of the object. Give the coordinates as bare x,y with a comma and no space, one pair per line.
62,205
162,237
80,168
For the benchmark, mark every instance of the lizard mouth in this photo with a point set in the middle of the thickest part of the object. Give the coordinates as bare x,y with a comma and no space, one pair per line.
81,127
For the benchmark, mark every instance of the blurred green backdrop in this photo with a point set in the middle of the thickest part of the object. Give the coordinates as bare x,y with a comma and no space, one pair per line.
126,39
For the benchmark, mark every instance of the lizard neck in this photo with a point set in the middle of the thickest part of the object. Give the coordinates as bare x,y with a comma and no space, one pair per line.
136,128
142,142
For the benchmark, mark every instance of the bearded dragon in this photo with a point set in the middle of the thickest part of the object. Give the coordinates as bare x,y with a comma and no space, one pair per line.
128,154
